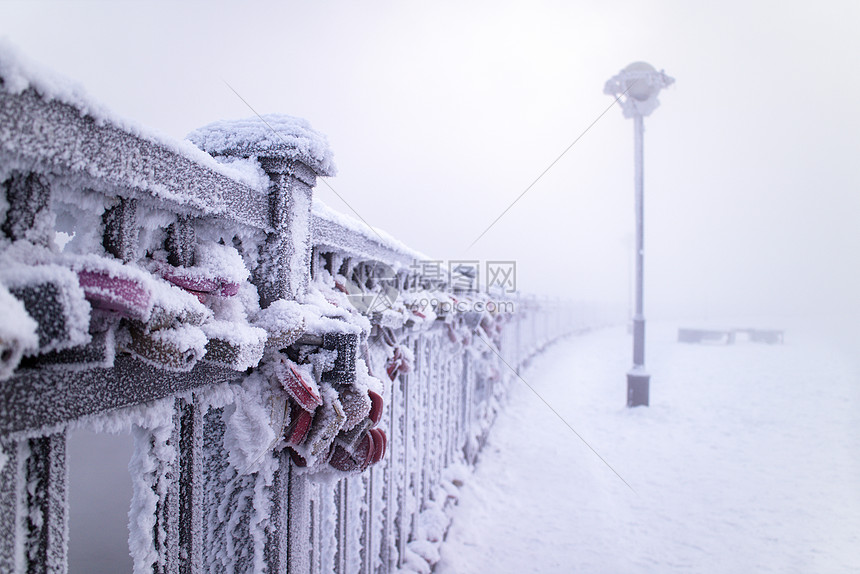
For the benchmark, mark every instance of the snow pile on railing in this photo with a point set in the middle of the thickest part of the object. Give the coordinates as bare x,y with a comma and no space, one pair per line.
268,135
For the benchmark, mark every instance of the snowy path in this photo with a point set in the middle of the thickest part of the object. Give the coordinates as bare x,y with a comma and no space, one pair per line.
748,461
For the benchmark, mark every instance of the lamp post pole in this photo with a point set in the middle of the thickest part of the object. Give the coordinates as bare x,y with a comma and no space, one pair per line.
636,88
639,315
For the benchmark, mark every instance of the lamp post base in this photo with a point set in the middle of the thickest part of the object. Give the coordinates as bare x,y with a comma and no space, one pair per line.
638,383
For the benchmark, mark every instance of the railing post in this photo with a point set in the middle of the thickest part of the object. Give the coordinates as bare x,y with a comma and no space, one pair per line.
284,269
285,273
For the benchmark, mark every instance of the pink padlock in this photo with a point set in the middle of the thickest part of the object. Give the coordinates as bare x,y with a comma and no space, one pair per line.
198,285
128,297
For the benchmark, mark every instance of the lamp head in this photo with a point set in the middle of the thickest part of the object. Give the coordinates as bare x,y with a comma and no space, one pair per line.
640,73
636,87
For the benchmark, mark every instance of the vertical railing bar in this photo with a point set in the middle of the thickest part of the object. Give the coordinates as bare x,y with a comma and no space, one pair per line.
190,487
9,489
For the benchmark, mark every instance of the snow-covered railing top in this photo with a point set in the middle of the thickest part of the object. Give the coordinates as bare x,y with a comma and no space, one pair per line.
51,136
50,127
49,124
338,232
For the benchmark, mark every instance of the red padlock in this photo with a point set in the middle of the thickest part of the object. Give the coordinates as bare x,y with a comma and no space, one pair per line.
295,385
376,405
380,442
300,425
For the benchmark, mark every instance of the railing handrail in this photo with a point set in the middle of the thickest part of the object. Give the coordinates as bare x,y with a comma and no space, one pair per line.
53,136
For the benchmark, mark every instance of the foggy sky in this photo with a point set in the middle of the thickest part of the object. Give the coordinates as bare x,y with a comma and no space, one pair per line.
440,116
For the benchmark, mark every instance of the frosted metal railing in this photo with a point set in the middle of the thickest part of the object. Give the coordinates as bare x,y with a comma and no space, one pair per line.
206,515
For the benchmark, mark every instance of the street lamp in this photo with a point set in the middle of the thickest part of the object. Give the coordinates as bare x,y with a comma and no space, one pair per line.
636,88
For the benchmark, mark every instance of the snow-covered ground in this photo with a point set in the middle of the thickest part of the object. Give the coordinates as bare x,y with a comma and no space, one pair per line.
747,461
